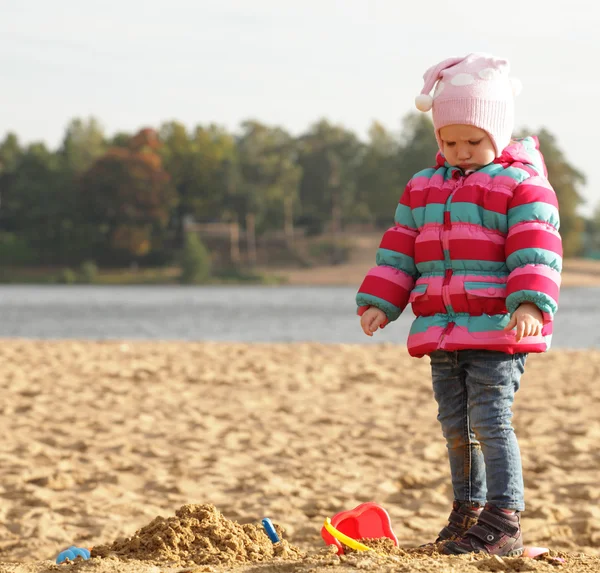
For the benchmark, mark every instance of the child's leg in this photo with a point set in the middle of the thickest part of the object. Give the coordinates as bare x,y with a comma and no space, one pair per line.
466,460
492,378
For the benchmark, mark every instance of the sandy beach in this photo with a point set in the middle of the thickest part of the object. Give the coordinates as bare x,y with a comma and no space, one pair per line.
99,439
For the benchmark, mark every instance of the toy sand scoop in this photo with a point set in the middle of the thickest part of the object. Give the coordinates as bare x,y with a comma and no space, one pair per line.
367,521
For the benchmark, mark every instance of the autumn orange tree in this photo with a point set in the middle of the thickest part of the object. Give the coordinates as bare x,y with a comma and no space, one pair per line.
126,197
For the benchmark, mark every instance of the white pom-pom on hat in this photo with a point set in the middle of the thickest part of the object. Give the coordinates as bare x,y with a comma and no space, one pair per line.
424,102
516,85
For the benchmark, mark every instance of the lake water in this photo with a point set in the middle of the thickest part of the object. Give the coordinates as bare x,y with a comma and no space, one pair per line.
233,313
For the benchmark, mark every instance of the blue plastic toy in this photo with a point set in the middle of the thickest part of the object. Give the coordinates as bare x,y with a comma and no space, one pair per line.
268,525
72,553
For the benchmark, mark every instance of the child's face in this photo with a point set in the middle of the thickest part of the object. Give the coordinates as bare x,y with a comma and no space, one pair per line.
467,147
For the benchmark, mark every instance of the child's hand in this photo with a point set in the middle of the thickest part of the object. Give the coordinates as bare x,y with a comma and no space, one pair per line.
372,319
527,319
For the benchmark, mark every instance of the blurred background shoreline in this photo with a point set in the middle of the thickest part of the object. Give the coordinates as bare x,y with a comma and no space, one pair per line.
210,206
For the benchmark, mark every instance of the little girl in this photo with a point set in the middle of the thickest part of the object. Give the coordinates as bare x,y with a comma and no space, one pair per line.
476,251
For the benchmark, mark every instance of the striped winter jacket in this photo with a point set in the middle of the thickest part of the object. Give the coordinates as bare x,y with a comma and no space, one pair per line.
467,250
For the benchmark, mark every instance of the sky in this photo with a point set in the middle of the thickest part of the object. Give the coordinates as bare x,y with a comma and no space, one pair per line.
139,63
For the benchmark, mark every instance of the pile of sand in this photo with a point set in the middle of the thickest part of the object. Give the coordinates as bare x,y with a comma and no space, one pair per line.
200,539
199,535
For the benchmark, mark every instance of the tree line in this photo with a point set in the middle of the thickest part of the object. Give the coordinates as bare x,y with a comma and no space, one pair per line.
114,200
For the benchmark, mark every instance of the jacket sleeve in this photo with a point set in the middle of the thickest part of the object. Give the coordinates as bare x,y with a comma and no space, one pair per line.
534,247
388,285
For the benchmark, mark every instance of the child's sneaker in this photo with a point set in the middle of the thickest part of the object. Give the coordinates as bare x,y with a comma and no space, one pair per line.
496,533
461,518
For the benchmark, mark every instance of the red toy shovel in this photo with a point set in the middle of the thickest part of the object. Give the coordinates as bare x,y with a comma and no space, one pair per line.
367,521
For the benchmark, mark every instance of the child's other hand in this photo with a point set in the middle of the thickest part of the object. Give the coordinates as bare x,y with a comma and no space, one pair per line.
527,319
372,319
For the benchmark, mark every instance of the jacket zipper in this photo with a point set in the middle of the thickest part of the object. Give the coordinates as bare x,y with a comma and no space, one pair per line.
446,247
448,274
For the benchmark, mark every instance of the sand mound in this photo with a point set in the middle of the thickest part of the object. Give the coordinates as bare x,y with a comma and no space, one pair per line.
199,538
200,535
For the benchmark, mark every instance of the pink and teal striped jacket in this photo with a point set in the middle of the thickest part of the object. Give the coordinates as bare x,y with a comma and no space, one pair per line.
467,250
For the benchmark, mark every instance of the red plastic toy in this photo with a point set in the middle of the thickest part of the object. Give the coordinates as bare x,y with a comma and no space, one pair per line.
366,521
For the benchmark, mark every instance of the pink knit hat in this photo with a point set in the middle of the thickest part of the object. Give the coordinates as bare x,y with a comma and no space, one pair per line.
474,90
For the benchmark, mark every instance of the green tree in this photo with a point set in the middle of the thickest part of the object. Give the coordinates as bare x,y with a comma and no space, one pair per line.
378,182
10,153
38,199
566,181
35,203
10,157
266,192
120,139
289,175
88,272
195,261
418,146
197,163
591,235
330,157
83,143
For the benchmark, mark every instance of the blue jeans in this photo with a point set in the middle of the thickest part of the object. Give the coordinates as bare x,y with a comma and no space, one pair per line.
475,390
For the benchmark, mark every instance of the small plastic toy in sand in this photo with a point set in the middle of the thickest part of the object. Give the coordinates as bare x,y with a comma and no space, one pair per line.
270,530
366,521
72,553
533,552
